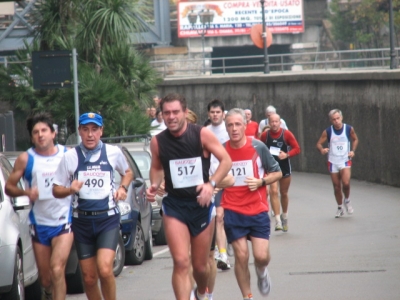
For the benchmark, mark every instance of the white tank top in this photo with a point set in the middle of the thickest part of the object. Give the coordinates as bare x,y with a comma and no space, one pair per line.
40,172
339,146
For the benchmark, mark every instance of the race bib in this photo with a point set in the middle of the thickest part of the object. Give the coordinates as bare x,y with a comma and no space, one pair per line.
339,147
186,172
240,170
45,185
274,150
96,184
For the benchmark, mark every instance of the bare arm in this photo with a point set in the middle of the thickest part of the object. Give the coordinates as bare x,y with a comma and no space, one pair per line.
354,142
12,188
120,193
227,181
320,143
156,171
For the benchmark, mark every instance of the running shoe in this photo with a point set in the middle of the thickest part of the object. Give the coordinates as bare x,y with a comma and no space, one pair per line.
278,226
229,250
249,297
197,296
285,226
348,207
46,295
223,262
339,213
264,283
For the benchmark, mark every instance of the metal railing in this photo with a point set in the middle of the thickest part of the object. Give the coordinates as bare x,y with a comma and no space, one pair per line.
345,59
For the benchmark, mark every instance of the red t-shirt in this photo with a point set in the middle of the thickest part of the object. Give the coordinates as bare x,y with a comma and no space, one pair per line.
239,198
252,129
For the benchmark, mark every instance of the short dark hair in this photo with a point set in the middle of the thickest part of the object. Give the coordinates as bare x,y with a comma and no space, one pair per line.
174,97
216,103
42,117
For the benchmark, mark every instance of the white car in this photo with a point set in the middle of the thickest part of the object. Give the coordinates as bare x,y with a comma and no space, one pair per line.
18,269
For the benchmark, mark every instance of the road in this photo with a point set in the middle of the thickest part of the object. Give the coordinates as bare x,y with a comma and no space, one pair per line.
320,257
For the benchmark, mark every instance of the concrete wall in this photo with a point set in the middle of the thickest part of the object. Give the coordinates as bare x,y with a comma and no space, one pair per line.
369,102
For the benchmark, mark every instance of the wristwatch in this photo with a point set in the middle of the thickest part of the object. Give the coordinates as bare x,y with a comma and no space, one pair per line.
124,187
214,185
264,183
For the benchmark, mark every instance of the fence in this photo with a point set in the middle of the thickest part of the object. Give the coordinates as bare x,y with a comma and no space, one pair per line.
355,59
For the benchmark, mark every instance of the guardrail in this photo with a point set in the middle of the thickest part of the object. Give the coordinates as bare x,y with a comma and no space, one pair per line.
345,59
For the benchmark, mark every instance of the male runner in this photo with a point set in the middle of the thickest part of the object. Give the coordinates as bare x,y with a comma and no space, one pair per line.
87,173
340,153
270,110
50,218
246,205
216,115
182,152
251,126
282,145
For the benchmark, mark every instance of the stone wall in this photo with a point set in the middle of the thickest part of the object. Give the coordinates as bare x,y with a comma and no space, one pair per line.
369,101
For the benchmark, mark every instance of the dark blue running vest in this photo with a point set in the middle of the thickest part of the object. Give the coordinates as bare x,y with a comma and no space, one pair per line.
101,164
279,143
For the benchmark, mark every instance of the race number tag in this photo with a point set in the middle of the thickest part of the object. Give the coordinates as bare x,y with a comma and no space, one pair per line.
339,146
240,170
274,150
45,185
186,172
96,184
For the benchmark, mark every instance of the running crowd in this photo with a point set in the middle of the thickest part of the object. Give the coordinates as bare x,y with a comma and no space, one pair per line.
215,181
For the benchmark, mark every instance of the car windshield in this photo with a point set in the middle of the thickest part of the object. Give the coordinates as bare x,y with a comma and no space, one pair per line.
143,161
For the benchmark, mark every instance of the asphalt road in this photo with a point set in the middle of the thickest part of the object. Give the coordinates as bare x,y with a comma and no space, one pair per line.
320,257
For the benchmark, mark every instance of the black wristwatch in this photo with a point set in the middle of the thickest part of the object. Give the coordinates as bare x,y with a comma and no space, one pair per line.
264,183
124,187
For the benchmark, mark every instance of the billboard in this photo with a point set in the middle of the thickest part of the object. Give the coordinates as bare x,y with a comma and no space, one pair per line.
237,17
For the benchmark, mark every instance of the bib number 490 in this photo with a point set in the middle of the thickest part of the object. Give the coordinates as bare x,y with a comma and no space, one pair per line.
94,182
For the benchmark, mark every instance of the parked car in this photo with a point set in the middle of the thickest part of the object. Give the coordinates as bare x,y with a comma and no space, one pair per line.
18,271
140,151
136,215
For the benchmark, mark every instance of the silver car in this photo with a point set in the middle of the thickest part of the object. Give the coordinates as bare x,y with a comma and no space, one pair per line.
18,267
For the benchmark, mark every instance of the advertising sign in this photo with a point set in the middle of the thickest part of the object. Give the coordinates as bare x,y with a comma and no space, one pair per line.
237,17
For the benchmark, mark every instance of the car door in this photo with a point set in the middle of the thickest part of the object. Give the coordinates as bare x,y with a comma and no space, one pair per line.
30,269
140,194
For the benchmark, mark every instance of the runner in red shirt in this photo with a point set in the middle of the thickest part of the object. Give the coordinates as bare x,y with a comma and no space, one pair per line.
251,127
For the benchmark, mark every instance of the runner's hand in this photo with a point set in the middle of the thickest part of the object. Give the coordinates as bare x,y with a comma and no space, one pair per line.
252,183
151,193
120,194
76,186
324,151
205,192
33,194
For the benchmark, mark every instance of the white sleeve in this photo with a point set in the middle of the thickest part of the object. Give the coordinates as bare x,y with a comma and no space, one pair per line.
261,126
283,124
65,170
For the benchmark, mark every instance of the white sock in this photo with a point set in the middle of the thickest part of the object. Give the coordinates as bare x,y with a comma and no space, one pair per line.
346,200
284,215
262,272
201,297
277,218
209,296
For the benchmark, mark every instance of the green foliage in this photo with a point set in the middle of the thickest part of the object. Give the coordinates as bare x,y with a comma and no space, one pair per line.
114,78
362,24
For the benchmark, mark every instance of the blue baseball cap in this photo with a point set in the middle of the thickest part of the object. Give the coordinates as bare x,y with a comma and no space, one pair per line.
91,118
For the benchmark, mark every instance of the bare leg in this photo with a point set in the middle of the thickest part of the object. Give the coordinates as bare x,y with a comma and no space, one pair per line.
42,256
61,246
242,265
90,278
284,184
274,198
221,236
336,188
105,260
213,272
345,175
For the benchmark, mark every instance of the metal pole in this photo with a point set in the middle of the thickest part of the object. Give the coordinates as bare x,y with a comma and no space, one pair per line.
264,35
204,54
76,95
393,62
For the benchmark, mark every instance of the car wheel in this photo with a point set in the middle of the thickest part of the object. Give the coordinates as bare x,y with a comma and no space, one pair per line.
75,282
34,291
149,246
119,259
136,255
17,289
160,238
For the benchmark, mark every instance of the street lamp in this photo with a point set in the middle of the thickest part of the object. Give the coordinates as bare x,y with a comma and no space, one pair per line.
264,36
206,17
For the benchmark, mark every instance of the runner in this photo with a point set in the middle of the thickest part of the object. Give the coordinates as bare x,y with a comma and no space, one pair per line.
50,218
340,153
87,173
216,115
245,204
182,153
268,112
282,145
251,126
